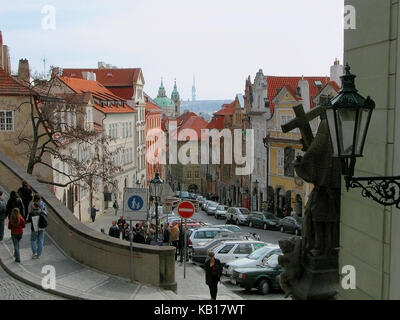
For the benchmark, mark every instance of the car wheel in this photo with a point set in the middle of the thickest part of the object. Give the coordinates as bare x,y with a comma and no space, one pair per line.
250,224
282,229
263,287
265,226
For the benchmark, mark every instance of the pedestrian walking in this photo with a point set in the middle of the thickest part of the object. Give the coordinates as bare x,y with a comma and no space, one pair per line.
93,212
116,206
174,238
3,214
14,202
25,192
37,230
120,223
213,269
166,234
114,230
16,224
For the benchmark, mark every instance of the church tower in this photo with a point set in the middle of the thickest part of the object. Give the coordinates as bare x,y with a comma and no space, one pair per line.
194,89
177,100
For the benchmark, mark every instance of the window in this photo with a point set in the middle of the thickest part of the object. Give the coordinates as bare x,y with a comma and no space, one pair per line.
258,245
6,120
199,235
243,248
226,248
280,158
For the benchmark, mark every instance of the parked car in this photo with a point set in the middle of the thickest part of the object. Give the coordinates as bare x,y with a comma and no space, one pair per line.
264,220
205,205
201,200
231,250
184,195
263,276
230,227
252,260
203,234
237,215
212,208
220,212
199,252
291,224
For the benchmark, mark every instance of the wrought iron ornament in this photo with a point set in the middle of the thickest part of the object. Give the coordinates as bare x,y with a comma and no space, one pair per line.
384,190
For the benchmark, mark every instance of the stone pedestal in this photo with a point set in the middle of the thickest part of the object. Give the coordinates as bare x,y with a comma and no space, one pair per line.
319,281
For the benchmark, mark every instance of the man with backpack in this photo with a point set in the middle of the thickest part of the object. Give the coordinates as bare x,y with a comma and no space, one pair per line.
3,213
38,220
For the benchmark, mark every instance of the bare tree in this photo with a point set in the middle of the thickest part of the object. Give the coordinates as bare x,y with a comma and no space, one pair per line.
58,122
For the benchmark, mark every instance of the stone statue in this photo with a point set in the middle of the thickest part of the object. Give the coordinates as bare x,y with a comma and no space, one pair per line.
311,262
322,214
291,261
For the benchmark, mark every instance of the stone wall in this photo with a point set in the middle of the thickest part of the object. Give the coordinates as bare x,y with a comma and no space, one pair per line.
153,265
369,233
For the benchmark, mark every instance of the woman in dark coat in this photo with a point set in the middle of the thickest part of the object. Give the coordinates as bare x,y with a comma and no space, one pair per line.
14,202
213,270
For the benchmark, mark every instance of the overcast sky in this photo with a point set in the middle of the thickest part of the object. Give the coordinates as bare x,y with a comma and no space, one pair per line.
222,42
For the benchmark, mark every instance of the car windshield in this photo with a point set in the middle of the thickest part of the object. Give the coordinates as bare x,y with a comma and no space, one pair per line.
222,208
272,261
258,253
184,194
244,211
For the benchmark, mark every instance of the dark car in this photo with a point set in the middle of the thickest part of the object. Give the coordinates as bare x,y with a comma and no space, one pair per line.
264,220
291,224
263,276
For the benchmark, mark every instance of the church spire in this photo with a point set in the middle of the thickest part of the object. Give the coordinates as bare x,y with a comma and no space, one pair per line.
194,88
161,91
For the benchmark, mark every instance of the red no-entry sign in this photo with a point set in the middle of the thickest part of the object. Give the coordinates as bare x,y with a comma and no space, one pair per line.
186,209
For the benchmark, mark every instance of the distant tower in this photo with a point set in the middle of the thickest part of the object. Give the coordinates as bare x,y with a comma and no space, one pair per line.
177,100
194,89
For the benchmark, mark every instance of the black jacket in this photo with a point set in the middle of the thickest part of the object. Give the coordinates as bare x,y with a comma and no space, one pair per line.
17,203
208,270
166,235
25,194
114,232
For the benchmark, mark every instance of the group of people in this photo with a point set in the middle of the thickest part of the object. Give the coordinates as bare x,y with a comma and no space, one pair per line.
23,207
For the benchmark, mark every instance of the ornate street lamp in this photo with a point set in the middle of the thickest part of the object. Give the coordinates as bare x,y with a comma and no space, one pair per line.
156,187
348,116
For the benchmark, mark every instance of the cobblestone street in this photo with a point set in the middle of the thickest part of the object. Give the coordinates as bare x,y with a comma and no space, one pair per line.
11,289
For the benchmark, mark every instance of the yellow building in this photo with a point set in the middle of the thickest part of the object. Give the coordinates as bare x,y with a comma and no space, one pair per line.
287,192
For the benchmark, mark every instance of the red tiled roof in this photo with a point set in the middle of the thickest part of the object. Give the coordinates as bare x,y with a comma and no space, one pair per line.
227,109
184,117
123,92
216,123
11,87
151,107
275,83
194,123
99,92
108,77
334,85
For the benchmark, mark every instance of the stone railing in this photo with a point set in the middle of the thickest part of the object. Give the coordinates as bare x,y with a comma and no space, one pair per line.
153,265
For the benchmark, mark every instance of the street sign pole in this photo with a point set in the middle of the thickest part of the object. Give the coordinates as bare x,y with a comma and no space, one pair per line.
185,251
131,259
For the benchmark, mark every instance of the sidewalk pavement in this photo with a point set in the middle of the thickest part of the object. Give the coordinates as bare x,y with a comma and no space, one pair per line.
76,281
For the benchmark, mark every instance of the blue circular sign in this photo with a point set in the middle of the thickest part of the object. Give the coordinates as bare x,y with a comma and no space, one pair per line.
135,203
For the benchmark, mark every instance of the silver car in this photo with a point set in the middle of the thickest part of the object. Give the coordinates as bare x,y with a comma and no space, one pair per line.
212,208
220,212
252,260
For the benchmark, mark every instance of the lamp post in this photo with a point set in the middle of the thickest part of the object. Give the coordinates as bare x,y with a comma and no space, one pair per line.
156,186
267,145
348,116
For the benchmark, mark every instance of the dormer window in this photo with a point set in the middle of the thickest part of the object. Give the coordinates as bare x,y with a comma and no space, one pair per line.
318,84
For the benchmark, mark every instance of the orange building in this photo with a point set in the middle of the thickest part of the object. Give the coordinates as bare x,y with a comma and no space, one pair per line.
153,121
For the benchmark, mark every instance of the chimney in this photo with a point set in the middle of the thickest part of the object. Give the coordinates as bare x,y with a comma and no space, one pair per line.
337,72
5,62
304,90
23,70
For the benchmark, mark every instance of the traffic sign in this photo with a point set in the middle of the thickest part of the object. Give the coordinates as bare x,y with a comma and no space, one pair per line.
186,209
135,204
